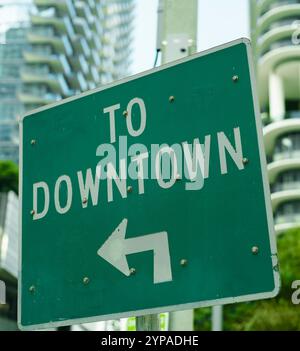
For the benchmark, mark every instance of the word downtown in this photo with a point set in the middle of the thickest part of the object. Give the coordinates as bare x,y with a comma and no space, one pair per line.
189,161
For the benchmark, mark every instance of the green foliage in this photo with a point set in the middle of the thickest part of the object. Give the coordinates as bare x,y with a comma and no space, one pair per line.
9,175
274,314
202,319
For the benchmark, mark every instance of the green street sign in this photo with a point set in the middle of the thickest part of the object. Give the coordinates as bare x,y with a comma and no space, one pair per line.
147,195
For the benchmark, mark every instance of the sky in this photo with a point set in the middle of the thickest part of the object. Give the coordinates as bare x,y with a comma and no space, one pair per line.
219,21
10,15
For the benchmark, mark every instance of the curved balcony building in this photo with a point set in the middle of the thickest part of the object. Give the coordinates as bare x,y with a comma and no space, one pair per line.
275,31
74,46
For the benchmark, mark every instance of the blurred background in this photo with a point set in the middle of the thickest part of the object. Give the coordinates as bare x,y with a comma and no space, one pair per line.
53,49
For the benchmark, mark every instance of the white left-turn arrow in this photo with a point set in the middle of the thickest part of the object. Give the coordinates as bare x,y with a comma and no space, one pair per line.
116,248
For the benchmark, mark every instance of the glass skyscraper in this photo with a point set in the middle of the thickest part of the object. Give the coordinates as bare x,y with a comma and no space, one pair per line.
64,47
13,41
10,107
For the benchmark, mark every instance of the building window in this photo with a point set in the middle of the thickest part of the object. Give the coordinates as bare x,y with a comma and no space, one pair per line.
288,212
287,146
288,180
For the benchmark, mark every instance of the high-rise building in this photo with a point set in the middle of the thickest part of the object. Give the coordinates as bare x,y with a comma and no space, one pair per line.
66,47
10,106
13,26
275,32
74,46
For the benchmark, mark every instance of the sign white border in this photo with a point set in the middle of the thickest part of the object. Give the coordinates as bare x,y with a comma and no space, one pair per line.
267,196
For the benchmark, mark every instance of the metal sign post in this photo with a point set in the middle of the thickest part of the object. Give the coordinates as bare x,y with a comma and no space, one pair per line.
177,38
217,318
150,322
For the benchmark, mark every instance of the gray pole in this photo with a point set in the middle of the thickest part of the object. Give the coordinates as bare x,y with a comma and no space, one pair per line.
148,323
217,318
181,321
176,38
177,30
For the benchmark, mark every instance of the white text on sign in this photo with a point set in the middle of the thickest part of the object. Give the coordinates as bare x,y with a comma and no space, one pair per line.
186,161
